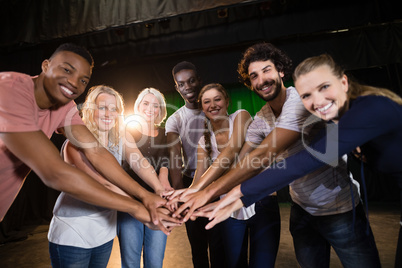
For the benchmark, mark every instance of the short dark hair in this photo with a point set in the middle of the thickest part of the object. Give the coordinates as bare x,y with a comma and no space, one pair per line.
263,52
184,65
83,52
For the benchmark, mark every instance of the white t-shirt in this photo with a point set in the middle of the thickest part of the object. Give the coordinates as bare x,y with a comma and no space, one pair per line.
79,224
243,213
189,124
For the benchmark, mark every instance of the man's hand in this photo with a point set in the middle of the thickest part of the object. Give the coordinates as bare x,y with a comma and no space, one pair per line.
168,222
151,203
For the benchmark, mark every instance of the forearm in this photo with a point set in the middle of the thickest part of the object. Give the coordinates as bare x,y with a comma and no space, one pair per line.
147,173
218,167
78,184
164,177
249,166
106,164
177,178
175,168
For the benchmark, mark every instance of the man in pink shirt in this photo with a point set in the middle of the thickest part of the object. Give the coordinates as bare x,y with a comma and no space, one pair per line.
31,109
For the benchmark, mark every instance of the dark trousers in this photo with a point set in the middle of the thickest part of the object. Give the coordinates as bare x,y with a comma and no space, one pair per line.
201,239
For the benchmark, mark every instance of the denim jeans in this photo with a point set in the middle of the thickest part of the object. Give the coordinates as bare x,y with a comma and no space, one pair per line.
264,231
75,257
135,236
313,237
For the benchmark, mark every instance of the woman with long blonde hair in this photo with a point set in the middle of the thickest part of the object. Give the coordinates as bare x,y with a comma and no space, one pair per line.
81,234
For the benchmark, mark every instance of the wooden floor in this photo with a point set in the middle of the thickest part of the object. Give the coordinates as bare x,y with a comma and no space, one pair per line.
33,252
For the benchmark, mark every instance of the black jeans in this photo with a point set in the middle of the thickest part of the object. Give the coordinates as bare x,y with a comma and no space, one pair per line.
200,239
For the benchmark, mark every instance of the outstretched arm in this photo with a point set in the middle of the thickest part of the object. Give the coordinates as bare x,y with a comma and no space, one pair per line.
105,163
75,157
176,163
39,153
368,119
252,164
228,155
140,164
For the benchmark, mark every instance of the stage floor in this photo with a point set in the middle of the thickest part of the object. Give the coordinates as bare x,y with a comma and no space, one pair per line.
384,220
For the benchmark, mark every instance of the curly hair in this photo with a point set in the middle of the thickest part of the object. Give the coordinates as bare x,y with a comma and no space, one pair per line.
263,52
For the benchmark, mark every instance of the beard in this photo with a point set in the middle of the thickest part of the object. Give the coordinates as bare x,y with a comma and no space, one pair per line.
277,86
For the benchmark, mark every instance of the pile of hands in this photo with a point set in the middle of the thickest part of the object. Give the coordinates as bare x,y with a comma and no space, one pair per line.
174,207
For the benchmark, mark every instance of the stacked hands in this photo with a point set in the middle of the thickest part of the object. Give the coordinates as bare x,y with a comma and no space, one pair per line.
178,206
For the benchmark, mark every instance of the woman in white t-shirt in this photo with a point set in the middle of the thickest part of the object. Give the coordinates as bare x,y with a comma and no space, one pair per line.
80,233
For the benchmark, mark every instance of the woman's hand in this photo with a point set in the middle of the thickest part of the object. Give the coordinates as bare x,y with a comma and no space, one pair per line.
180,195
222,209
216,213
192,201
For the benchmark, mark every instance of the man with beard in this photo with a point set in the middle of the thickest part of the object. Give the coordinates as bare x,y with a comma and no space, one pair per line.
326,207
184,129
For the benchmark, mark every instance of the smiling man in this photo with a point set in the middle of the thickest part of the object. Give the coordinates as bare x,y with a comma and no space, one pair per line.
325,211
184,129
31,109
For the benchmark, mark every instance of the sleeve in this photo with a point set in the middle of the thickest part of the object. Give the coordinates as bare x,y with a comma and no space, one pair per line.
255,132
17,103
201,142
294,113
70,115
368,118
171,124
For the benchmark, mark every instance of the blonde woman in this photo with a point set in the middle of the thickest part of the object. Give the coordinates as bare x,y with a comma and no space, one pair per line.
144,132
82,234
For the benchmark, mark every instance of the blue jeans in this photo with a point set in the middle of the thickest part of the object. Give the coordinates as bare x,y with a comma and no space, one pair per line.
313,237
133,237
264,230
75,257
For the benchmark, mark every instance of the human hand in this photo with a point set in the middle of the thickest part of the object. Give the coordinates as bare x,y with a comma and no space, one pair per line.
192,201
152,202
180,195
163,178
168,222
216,213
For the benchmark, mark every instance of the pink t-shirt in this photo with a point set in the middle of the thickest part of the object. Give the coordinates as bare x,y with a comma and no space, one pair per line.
20,113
